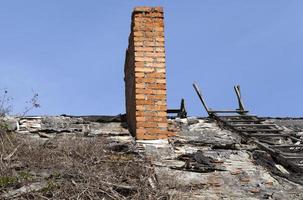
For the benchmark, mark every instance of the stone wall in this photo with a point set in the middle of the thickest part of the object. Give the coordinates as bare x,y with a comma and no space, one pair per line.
145,75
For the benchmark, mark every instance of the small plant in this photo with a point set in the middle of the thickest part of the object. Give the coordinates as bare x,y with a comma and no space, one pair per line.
51,185
25,175
32,103
7,181
5,107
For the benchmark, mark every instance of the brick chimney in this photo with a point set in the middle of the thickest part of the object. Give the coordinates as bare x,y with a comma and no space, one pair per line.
145,75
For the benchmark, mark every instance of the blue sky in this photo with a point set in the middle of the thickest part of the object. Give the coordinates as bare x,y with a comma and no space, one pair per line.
72,52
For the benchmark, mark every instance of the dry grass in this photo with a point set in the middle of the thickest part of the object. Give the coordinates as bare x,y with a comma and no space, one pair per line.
73,168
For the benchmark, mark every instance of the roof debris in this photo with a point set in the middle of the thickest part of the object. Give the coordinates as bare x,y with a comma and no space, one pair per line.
203,161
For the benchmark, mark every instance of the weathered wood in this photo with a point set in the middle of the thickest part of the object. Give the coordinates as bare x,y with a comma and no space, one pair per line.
243,120
259,130
253,125
228,111
237,116
173,110
239,97
198,91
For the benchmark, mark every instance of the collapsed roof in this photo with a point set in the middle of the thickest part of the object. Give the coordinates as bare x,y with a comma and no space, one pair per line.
203,161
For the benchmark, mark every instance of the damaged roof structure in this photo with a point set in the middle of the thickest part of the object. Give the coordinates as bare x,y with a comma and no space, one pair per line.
203,160
230,154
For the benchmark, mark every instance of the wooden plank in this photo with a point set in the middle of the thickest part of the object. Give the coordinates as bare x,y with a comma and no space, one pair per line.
267,135
242,120
228,111
198,91
252,125
173,110
258,130
238,93
237,116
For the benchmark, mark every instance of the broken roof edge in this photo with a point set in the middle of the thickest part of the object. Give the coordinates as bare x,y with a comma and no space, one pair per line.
92,118
122,117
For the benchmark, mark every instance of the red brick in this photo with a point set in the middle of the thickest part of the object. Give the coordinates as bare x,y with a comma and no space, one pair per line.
145,80
163,125
162,114
144,59
156,119
159,59
140,119
156,75
146,114
156,86
146,49
145,39
154,44
155,54
140,107
154,107
154,34
138,33
160,103
139,44
147,124
144,69
156,97
155,64
161,81
163,92
160,70
145,102
139,74
139,64
145,91
140,96
159,49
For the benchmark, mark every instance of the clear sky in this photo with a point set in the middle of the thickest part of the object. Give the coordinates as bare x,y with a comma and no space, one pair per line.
72,53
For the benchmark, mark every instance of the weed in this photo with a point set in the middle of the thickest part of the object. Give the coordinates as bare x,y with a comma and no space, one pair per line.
6,181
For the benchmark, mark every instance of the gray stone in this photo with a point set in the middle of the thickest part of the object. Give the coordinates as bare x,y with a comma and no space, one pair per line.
236,173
